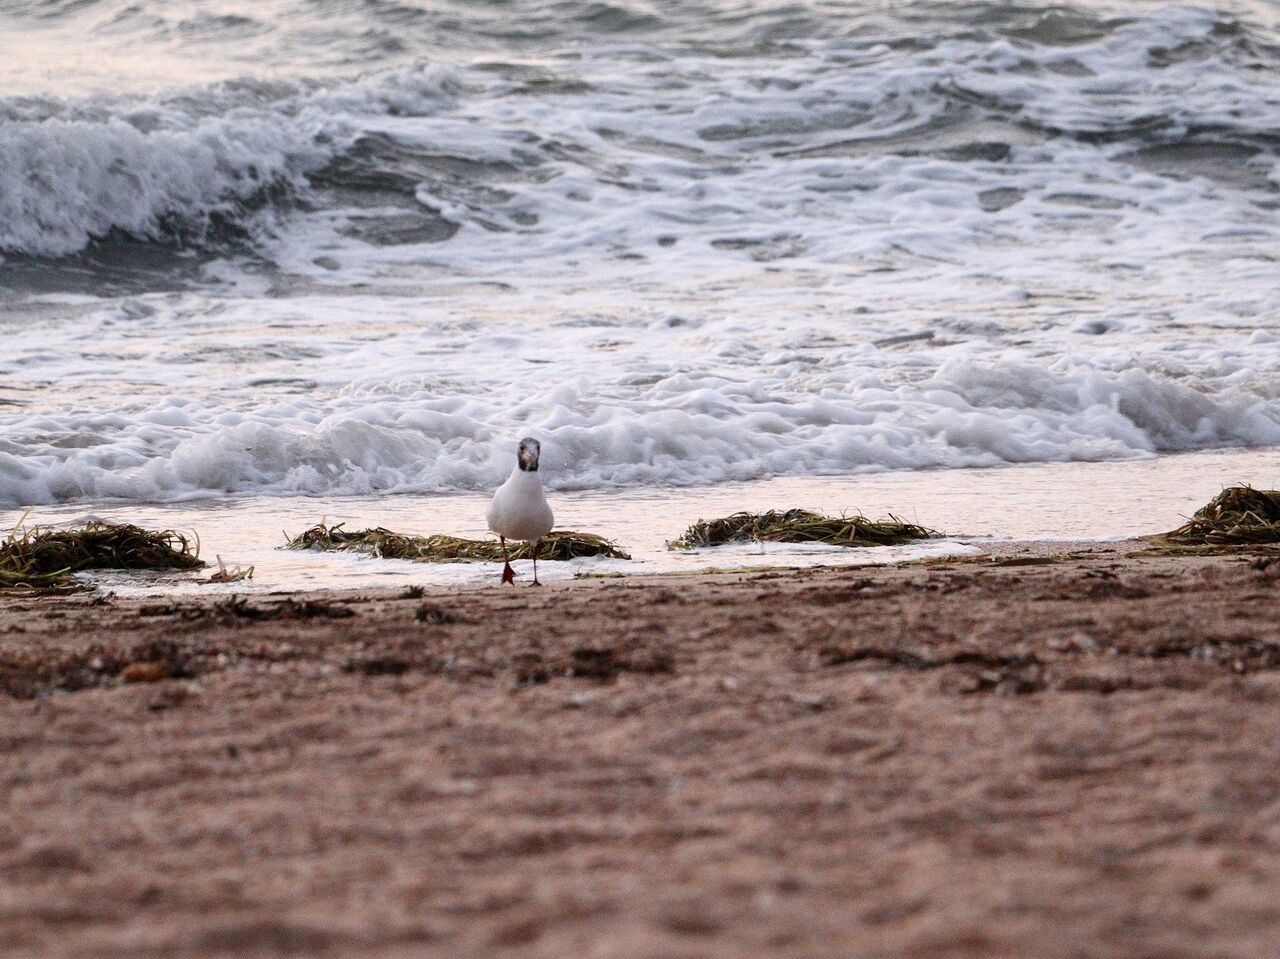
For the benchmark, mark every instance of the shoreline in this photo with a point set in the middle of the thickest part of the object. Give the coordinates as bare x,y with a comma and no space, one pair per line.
1076,501
1041,754
196,589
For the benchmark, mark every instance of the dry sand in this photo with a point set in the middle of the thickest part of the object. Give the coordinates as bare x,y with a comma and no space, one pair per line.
1076,759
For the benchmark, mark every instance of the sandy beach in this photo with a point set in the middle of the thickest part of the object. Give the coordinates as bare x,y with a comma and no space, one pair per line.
1036,754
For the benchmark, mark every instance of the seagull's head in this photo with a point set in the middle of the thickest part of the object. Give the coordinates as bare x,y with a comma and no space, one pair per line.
527,454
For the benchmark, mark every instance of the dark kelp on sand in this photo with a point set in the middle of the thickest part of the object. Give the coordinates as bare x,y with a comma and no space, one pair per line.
43,557
1238,516
383,543
799,526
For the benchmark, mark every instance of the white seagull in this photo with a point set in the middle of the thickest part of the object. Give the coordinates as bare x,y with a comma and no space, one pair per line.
519,509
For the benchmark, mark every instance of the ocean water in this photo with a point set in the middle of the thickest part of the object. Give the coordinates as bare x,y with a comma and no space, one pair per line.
296,253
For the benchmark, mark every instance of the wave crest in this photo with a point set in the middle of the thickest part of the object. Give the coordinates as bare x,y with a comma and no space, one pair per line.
684,429
64,184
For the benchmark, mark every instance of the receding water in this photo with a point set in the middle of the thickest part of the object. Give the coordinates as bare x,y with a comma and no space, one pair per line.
1073,501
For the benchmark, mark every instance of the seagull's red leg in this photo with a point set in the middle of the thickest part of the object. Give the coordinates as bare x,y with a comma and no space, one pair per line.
508,574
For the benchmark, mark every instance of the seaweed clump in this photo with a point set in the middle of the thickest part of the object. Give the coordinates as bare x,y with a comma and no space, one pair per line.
42,557
556,545
1238,516
799,526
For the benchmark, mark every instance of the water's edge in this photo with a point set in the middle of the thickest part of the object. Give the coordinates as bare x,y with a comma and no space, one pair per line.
1069,501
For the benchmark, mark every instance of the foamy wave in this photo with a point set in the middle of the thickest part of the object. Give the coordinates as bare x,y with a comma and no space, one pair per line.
172,171
1043,237
857,147
683,429
64,184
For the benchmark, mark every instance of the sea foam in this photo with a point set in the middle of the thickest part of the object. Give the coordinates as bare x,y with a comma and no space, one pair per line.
795,247
627,403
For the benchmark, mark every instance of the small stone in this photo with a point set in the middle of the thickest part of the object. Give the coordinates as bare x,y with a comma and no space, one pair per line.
812,701
144,672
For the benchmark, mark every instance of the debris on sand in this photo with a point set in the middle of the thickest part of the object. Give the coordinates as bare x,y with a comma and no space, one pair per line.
230,574
799,526
1238,516
44,557
237,608
383,543
35,673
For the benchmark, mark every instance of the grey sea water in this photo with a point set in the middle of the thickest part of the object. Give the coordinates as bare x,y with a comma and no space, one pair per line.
301,250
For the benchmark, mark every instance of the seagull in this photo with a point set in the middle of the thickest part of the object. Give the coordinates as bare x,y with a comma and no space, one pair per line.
519,509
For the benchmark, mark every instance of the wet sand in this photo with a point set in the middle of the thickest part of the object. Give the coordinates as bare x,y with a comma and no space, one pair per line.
1077,758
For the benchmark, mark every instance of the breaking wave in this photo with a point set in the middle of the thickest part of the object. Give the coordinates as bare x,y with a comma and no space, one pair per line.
680,429
612,148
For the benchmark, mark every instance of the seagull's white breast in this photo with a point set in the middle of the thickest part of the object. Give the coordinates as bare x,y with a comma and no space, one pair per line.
520,509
